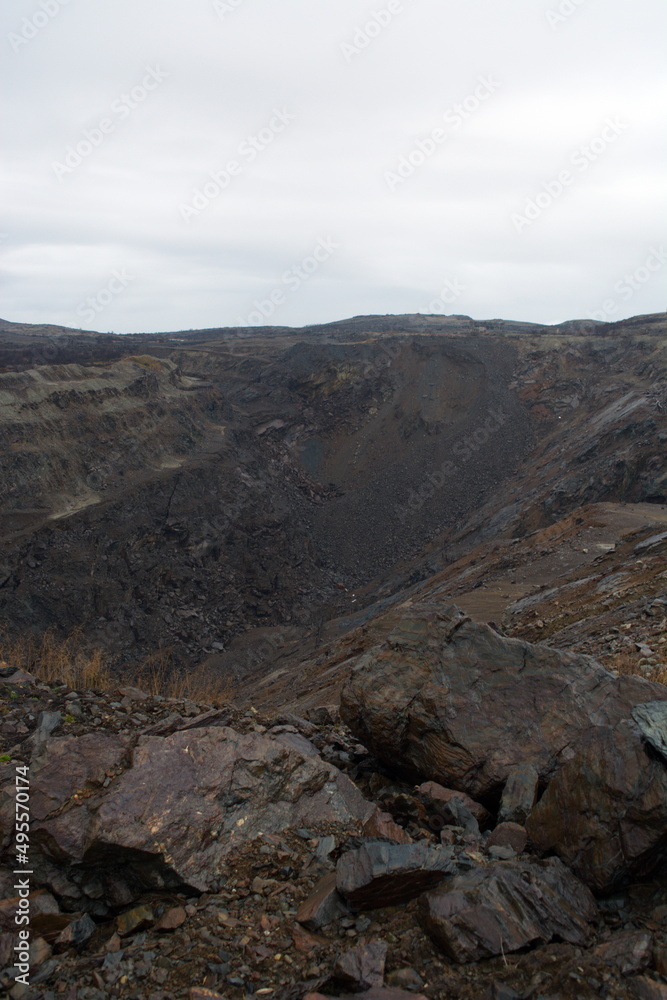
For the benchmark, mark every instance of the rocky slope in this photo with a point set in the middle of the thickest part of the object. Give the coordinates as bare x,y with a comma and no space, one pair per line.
217,482
398,541
182,851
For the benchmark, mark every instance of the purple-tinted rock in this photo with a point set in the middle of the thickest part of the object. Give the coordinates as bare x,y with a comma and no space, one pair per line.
505,907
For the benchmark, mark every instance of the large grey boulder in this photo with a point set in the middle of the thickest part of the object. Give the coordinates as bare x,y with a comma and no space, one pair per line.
447,699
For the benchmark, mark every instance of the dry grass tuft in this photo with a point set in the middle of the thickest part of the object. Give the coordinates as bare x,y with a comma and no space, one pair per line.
160,674
627,664
52,659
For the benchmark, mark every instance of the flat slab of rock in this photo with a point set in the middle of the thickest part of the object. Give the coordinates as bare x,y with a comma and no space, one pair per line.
507,906
420,701
605,811
381,874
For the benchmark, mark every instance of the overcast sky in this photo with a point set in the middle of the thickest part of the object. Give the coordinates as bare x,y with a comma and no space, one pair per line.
455,156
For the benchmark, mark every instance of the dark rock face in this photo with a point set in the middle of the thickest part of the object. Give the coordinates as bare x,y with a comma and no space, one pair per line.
449,700
605,812
505,907
381,874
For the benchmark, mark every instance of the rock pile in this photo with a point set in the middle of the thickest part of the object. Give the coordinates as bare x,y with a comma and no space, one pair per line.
488,846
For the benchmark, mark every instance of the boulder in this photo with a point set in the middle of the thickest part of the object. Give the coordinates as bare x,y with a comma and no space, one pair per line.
174,808
420,701
605,812
382,874
506,906
63,783
191,798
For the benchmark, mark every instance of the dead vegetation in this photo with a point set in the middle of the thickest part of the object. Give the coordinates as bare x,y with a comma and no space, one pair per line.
56,660
161,674
627,663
